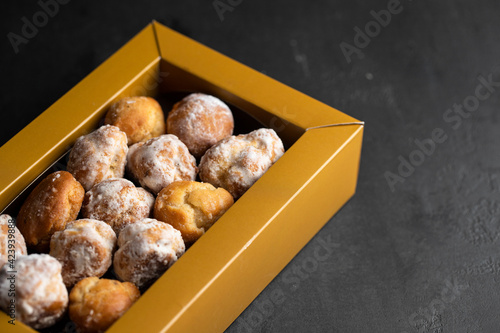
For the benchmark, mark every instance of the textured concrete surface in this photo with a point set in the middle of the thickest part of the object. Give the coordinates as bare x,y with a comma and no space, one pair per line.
420,255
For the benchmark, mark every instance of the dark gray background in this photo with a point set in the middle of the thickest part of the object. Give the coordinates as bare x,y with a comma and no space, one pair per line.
421,258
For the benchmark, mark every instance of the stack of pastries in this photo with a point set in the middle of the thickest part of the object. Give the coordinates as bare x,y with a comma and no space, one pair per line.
138,191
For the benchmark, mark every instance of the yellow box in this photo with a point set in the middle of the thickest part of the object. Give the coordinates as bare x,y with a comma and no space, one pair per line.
227,268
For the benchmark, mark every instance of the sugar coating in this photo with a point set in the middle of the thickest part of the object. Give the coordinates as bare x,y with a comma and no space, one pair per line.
161,161
146,249
117,202
200,121
98,156
7,238
237,162
41,296
84,248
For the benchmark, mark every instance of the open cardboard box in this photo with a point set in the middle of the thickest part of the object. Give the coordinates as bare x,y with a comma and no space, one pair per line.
227,268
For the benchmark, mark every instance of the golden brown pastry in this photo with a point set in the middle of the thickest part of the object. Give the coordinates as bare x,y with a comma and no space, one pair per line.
161,161
95,304
53,203
191,207
237,162
200,121
117,202
84,248
12,244
140,117
146,249
99,155
40,294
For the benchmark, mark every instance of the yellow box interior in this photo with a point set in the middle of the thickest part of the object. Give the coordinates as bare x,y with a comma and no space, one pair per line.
227,268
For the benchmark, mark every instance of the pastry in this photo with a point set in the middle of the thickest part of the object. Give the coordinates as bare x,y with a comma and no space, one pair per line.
53,203
200,121
40,295
146,249
141,118
161,161
191,207
99,155
84,248
117,202
95,304
237,162
12,244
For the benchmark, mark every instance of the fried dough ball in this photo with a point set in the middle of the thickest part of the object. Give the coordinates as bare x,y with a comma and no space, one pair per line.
140,117
95,304
191,207
53,203
200,121
99,155
237,162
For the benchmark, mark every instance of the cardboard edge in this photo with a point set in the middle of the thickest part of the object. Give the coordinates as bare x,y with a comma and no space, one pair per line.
355,135
360,123
229,256
22,162
154,25
210,62
265,235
